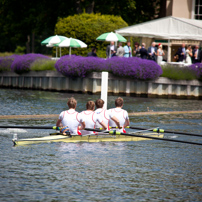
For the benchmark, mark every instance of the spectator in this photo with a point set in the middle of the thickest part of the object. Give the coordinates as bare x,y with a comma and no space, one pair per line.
188,55
180,55
92,53
143,51
111,49
160,54
200,56
120,50
128,50
152,52
196,54
137,49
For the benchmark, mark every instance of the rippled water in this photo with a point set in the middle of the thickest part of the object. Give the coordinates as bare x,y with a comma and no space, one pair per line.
124,171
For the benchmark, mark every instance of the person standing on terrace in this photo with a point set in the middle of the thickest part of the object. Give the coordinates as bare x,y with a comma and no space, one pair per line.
180,55
111,49
92,53
152,52
71,119
120,50
127,50
143,51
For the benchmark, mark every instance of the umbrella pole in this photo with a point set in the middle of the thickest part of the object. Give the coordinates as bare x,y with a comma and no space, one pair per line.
60,52
56,54
69,50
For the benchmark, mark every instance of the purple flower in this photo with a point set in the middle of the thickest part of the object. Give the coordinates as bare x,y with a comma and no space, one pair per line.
135,68
197,69
22,63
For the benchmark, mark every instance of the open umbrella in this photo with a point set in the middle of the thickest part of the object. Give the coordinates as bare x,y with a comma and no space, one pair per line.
111,36
72,43
52,41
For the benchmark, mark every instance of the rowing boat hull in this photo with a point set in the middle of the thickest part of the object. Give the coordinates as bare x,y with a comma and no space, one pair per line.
88,138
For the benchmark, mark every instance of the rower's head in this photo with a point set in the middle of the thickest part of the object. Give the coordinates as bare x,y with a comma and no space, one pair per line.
119,102
90,105
72,103
99,103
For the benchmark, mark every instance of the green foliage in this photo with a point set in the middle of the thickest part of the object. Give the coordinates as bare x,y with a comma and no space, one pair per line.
87,27
6,54
20,50
43,64
178,73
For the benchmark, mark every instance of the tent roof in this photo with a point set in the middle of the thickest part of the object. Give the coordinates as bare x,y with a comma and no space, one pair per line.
166,28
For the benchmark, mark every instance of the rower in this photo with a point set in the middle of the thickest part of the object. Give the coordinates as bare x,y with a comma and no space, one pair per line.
91,118
105,114
70,119
121,115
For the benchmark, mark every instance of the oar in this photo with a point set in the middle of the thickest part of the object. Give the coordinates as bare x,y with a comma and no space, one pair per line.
33,127
114,132
167,131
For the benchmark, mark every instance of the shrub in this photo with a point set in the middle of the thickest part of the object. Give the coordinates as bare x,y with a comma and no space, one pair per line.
197,69
178,73
20,50
5,62
43,64
22,63
136,68
87,27
74,66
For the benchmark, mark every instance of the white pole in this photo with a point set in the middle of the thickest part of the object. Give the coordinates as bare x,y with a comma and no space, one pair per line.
69,50
104,88
169,52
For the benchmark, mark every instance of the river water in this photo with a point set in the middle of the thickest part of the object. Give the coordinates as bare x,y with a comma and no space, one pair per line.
121,171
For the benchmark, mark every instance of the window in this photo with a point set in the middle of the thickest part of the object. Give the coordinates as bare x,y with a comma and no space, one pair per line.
198,9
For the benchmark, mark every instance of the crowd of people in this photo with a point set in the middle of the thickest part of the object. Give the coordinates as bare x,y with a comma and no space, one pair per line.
188,55
74,122
154,52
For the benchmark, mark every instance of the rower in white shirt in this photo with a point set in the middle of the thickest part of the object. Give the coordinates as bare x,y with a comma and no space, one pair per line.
105,114
91,118
120,114
71,119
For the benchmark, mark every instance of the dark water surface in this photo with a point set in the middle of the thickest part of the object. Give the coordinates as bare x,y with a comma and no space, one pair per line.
124,171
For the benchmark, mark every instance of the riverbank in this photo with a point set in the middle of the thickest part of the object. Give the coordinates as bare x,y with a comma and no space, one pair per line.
54,81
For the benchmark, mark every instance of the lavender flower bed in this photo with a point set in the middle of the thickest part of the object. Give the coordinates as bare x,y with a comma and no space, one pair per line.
74,66
21,63
136,68
5,62
197,69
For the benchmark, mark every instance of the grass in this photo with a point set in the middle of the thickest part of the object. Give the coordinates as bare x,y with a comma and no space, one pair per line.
178,73
41,65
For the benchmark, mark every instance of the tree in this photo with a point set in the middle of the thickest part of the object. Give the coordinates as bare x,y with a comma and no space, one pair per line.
87,27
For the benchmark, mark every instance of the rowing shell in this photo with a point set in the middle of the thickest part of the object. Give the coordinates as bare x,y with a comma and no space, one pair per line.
89,138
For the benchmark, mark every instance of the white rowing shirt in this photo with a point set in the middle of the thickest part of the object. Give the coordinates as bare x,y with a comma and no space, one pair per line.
72,119
90,118
121,115
106,116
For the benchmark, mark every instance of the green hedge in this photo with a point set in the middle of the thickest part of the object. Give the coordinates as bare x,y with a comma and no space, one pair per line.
87,27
